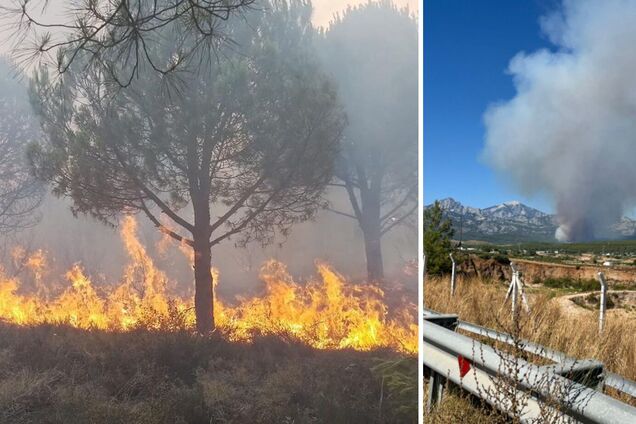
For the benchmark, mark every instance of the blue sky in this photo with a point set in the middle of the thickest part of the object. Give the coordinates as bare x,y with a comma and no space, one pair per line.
467,47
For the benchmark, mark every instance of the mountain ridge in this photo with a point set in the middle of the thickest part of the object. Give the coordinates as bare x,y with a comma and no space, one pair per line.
513,222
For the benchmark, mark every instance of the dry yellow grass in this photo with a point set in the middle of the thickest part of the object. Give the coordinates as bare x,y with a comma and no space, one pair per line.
553,322
481,302
458,408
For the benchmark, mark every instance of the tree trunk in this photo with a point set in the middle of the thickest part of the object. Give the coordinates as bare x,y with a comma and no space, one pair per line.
203,295
373,250
372,231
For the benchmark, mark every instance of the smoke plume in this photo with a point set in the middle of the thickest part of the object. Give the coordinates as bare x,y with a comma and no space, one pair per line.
570,130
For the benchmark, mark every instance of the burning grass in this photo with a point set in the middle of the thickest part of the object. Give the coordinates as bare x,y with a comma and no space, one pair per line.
552,322
323,351
326,313
60,374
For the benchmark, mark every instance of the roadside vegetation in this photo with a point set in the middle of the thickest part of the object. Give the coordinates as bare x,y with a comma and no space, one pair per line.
482,302
554,322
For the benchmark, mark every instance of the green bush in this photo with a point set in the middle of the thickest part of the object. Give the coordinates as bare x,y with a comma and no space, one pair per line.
579,285
592,301
502,259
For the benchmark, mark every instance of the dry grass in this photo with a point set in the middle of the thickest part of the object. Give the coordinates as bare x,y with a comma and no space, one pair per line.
459,408
570,330
577,334
57,374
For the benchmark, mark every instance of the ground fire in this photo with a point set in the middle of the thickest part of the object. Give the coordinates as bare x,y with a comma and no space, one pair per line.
326,313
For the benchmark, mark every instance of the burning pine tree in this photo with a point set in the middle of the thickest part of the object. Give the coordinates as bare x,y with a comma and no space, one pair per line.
244,149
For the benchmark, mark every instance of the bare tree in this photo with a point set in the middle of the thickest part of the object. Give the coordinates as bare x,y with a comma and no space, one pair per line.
245,152
372,53
119,35
20,193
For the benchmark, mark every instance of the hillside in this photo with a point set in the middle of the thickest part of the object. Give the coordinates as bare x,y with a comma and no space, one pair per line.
513,222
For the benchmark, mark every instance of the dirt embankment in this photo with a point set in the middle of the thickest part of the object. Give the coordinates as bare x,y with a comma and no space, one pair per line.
533,271
474,266
487,269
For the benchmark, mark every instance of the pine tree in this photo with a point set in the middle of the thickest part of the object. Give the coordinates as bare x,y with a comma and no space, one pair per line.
437,240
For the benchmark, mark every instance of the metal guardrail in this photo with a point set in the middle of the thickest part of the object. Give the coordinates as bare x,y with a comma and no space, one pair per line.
568,389
620,383
609,379
527,346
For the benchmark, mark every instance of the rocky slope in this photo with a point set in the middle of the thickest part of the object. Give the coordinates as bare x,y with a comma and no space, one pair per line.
508,222
513,222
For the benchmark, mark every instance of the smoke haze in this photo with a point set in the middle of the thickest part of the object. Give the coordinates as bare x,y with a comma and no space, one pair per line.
99,249
335,239
570,130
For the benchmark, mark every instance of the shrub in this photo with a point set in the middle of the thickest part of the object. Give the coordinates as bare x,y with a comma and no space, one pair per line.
579,285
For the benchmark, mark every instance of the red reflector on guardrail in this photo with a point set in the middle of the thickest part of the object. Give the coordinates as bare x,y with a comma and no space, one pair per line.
464,366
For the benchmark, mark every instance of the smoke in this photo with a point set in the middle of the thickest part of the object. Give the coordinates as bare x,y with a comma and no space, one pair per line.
332,238
570,130
67,240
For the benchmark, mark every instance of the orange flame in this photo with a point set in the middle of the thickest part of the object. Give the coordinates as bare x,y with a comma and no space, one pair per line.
326,313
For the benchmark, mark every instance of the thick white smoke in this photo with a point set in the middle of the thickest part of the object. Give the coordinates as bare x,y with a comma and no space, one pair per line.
570,130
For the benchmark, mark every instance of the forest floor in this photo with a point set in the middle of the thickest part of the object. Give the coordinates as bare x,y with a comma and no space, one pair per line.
59,374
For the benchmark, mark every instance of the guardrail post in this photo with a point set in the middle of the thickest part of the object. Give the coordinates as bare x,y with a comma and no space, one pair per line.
601,316
452,286
435,391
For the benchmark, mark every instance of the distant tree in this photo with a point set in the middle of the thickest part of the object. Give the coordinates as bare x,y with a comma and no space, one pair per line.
20,193
438,232
371,50
120,36
245,151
